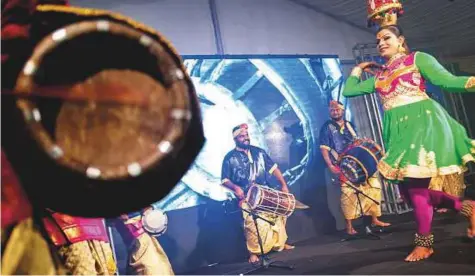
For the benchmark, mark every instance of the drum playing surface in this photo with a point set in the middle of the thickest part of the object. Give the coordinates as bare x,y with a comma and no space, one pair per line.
359,161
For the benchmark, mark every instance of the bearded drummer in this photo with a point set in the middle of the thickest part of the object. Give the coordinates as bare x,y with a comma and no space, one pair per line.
336,135
242,167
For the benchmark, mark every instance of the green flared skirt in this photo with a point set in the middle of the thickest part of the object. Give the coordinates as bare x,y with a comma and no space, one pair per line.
423,141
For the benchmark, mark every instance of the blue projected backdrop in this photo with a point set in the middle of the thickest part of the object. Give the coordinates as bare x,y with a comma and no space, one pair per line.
283,99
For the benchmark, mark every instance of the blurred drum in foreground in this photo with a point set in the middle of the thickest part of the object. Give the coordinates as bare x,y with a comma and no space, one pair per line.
103,119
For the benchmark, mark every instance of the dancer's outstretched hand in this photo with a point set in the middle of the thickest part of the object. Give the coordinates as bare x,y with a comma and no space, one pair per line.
370,66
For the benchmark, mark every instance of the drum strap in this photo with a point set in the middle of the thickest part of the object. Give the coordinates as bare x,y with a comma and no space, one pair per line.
350,129
347,125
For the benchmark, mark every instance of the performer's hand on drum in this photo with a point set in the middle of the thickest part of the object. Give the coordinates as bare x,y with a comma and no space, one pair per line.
342,178
239,193
285,189
334,169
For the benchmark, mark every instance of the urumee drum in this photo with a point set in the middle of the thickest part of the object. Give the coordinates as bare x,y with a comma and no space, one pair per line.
155,222
108,118
270,201
359,161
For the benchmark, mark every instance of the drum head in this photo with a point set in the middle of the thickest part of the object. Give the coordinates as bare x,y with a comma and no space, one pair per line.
254,196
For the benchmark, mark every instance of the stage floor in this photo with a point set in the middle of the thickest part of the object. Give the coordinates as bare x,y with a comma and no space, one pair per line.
329,255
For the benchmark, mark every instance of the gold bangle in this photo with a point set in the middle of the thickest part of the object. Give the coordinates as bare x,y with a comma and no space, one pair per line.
470,84
356,72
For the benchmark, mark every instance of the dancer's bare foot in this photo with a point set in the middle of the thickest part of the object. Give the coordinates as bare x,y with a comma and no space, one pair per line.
253,258
470,233
289,247
471,228
351,231
419,253
377,222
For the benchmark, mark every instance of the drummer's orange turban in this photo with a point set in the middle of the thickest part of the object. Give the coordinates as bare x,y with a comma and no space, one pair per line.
237,130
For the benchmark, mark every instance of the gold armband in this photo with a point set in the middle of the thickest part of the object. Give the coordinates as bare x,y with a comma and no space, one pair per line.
470,84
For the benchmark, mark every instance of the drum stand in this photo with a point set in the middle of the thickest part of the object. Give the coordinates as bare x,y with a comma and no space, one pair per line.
264,261
368,231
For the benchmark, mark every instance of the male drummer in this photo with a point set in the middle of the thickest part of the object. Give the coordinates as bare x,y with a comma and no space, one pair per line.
335,136
242,167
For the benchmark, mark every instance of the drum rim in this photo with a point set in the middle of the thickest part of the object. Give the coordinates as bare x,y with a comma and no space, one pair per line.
180,111
359,141
357,144
361,165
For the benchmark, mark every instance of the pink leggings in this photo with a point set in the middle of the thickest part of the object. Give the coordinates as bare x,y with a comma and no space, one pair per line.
416,192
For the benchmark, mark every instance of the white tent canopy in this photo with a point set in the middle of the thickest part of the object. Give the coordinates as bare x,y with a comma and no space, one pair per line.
443,27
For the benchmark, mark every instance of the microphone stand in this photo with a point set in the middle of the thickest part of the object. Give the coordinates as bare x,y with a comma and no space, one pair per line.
264,260
112,244
368,231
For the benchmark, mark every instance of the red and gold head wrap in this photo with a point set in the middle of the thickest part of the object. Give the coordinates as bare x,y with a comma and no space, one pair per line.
238,130
383,12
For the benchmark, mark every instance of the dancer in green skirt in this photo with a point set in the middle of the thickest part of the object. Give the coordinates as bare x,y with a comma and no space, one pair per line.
421,138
